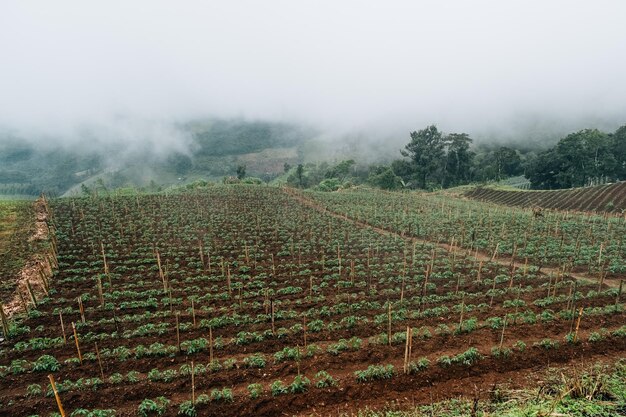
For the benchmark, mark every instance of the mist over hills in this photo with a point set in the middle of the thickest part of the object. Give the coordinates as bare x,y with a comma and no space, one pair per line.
159,154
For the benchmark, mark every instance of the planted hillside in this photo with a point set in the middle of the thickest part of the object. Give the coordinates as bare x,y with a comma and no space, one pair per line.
245,300
609,198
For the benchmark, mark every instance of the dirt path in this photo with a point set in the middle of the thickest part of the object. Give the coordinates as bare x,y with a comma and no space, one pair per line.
474,254
36,265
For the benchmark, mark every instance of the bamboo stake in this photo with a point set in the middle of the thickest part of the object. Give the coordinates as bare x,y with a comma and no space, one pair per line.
210,344
99,361
193,313
23,300
5,322
56,395
495,252
31,293
339,258
80,357
462,312
410,344
193,385
502,335
63,328
619,292
580,315
100,292
178,331
230,291
406,350
104,259
161,274
272,308
81,308
389,322
304,330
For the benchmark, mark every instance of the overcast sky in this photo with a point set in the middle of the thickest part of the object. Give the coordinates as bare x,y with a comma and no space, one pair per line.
465,65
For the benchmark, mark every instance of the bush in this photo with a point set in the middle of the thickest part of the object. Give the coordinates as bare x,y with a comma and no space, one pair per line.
324,380
375,372
278,388
156,407
226,394
46,363
255,361
300,384
500,353
187,409
420,365
256,390
520,345
34,390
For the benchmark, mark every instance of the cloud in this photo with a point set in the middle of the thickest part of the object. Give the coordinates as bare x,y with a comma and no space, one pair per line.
343,66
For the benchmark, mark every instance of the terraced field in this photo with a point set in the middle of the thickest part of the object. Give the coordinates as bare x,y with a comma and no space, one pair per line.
609,198
245,300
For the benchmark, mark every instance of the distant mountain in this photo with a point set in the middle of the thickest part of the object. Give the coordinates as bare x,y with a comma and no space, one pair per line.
217,147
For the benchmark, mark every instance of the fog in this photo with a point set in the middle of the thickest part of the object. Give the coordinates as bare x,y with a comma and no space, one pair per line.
131,71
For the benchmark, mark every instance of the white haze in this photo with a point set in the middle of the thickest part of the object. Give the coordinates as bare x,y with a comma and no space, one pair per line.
128,71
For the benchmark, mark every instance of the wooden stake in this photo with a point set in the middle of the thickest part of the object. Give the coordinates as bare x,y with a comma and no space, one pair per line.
81,308
210,344
177,331
23,300
462,313
80,357
389,322
193,385
619,292
580,315
406,350
495,252
104,259
62,328
304,330
502,335
161,274
100,292
230,291
193,313
5,322
99,361
31,293
272,308
56,395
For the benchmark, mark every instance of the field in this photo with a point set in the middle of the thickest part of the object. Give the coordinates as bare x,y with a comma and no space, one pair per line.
610,198
254,300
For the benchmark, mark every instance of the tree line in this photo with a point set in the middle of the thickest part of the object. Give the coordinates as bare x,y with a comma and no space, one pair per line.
434,160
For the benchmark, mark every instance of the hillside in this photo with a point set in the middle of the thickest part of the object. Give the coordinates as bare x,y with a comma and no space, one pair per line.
601,198
217,147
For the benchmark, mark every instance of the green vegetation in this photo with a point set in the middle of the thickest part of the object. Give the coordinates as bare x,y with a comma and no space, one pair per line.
599,392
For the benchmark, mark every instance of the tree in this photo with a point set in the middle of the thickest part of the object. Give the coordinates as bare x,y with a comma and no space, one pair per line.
458,159
241,172
300,174
427,151
507,162
618,144
384,177
341,170
180,163
579,159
